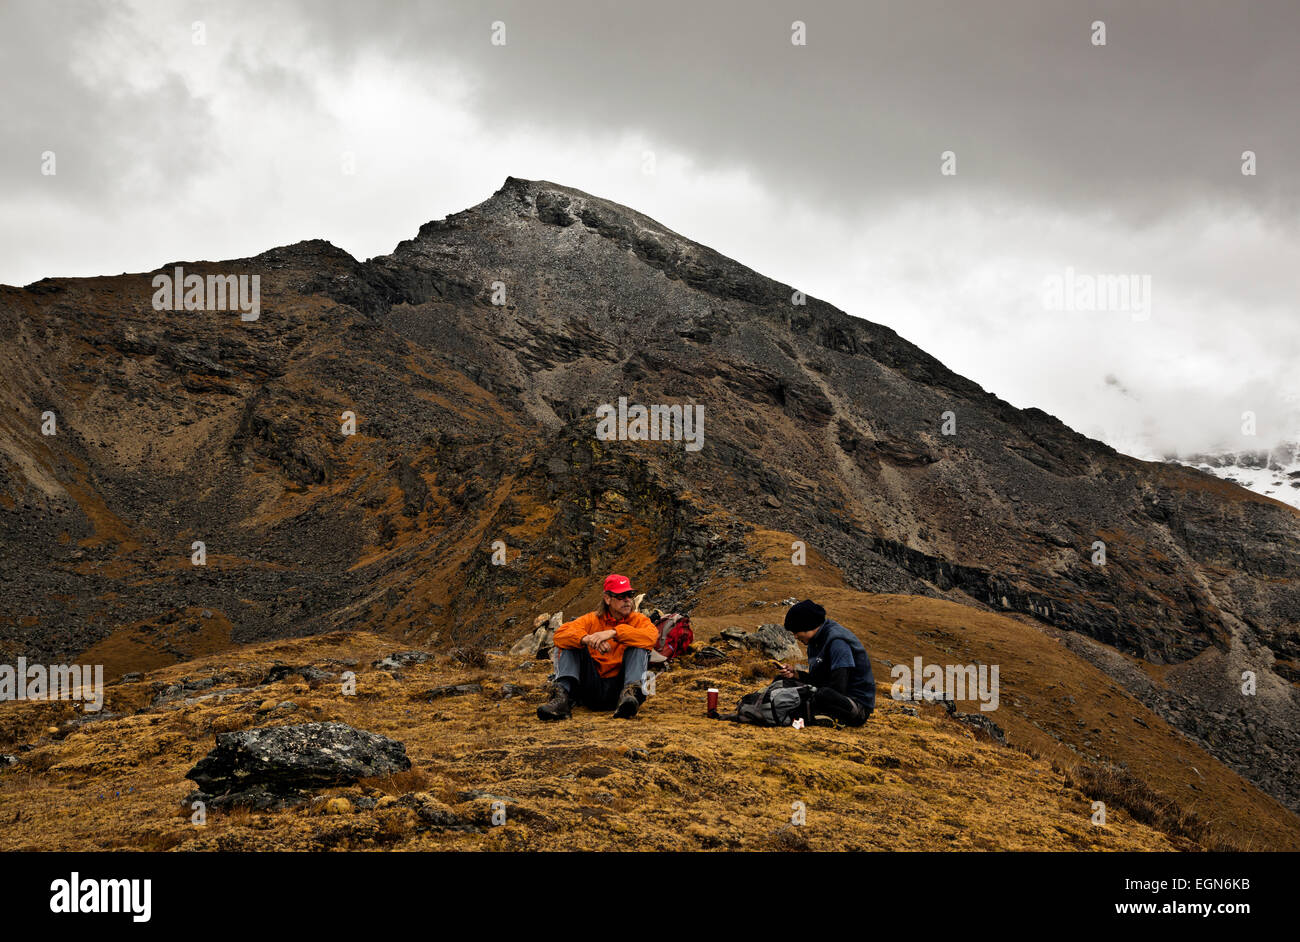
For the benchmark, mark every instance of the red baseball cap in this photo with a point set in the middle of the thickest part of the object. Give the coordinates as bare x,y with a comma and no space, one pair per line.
614,584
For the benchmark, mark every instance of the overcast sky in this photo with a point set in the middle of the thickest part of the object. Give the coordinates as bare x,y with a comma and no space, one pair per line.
816,164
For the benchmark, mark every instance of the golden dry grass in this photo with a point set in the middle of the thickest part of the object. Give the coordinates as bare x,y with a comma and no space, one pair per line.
669,779
1053,702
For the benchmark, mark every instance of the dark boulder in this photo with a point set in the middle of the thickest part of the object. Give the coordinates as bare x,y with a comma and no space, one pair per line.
978,722
264,768
403,659
448,690
307,672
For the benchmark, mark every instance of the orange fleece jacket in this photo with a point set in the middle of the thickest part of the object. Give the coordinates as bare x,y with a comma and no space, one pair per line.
637,632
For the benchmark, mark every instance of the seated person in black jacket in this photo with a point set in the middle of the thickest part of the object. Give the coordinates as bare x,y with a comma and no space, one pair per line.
838,665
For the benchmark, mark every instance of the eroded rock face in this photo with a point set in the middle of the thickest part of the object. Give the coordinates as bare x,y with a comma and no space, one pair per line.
265,768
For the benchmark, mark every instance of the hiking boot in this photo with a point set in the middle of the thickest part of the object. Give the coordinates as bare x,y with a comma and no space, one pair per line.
628,702
559,707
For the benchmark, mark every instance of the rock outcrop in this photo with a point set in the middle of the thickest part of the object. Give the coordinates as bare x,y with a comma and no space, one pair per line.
277,767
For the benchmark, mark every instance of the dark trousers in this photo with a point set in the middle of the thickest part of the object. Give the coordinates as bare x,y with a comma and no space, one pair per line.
834,704
575,668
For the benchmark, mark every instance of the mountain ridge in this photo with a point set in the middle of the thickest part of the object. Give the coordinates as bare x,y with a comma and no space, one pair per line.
475,424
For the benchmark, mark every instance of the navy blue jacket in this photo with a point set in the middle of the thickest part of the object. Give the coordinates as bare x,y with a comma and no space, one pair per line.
834,647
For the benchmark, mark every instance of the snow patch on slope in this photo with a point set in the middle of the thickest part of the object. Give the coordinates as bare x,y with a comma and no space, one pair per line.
1274,472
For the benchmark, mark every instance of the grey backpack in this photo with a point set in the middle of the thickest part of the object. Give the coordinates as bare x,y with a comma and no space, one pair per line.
781,703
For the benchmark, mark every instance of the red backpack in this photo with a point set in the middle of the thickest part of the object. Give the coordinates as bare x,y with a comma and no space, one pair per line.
675,635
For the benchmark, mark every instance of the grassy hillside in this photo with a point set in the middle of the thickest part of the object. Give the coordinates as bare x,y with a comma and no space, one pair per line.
669,779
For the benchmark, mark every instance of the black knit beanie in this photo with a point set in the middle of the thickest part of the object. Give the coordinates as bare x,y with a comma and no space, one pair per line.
804,616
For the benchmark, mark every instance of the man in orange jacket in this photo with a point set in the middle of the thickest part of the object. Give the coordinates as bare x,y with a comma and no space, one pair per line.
602,656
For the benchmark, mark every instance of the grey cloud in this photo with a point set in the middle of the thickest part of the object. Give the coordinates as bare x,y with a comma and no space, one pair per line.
112,143
1154,119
